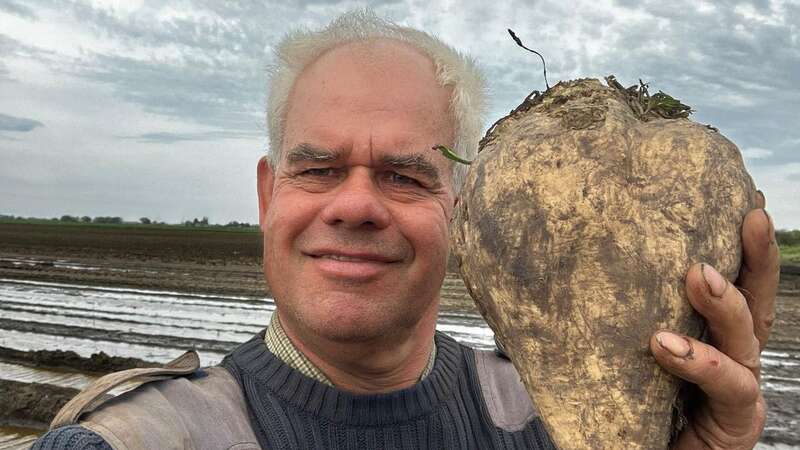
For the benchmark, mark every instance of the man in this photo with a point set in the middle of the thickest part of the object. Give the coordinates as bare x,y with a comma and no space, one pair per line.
355,210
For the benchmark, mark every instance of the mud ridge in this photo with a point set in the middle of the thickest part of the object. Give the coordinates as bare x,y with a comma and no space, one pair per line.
31,405
97,363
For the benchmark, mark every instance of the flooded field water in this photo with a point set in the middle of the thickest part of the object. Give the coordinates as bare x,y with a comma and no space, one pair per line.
159,325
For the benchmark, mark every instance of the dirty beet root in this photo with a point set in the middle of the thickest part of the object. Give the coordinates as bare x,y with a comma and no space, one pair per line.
577,223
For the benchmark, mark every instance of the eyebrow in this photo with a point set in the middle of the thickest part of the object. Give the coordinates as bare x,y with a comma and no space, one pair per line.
307,152
415,162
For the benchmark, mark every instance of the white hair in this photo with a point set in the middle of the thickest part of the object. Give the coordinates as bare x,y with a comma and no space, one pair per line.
300,48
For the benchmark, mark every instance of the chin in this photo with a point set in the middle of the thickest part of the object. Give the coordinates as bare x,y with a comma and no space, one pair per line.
360,326
355,320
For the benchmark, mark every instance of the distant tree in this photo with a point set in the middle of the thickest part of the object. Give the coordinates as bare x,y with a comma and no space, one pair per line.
145,221
106,219
788,237
204,221
68,218
86,219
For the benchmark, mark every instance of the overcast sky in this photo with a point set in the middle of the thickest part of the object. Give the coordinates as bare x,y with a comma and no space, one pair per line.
133,108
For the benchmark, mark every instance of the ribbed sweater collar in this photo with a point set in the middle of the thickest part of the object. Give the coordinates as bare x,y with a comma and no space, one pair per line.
263,374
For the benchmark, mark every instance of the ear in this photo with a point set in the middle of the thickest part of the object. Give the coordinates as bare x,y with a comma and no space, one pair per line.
265,179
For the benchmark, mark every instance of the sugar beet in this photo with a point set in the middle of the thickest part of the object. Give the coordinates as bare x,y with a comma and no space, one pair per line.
574,231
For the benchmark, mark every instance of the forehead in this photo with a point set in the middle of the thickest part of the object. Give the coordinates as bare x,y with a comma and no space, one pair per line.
382,95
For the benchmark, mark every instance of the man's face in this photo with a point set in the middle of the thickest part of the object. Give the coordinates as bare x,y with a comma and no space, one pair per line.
357,211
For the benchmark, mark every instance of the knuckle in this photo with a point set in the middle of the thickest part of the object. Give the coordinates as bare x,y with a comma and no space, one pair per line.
768,320
749,394
760,418
753,363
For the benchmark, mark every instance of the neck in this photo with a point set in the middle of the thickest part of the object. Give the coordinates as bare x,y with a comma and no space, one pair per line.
383,364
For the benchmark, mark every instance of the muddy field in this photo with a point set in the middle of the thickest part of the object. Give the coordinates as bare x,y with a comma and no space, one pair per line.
145,295
178,259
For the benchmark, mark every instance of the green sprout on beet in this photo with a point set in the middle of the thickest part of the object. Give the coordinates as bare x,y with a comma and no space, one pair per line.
647,106
449,154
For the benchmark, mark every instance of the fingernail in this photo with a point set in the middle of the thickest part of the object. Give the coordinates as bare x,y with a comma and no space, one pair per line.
716,283
675,344
763,199
770,234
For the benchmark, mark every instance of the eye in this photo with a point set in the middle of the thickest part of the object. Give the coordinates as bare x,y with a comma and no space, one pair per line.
318,172
397,178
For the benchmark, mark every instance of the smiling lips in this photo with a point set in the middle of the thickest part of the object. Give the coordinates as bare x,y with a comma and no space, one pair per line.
351,265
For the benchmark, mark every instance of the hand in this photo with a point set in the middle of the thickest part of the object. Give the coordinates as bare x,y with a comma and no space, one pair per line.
732,412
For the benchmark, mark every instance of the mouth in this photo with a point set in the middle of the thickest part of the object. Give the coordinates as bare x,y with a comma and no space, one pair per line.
353,257
352,266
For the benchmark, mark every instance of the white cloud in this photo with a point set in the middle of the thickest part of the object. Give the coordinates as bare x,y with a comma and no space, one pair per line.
774,17
781,187
756,153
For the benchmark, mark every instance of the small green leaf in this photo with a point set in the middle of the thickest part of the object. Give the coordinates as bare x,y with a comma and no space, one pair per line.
449,154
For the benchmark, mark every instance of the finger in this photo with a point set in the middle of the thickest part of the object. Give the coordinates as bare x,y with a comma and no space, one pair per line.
760,271
733,391
727,315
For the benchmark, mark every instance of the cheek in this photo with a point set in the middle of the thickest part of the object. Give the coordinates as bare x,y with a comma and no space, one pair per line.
286,218
429,234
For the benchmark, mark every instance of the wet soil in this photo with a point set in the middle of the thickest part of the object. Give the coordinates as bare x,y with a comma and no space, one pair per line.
31,405
127,337
783,404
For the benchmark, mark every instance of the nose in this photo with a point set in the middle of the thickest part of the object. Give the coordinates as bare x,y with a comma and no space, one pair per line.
357,203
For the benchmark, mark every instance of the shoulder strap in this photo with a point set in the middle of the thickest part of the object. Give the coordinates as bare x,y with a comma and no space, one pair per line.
204,411
506,398
96,393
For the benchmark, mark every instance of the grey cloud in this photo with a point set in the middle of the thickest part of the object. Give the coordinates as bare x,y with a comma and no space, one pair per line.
12,7
7,47
216,97
12,48
162,137
20,124
207,72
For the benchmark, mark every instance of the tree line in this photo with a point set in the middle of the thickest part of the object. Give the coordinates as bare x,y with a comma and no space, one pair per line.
116,220
788,237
